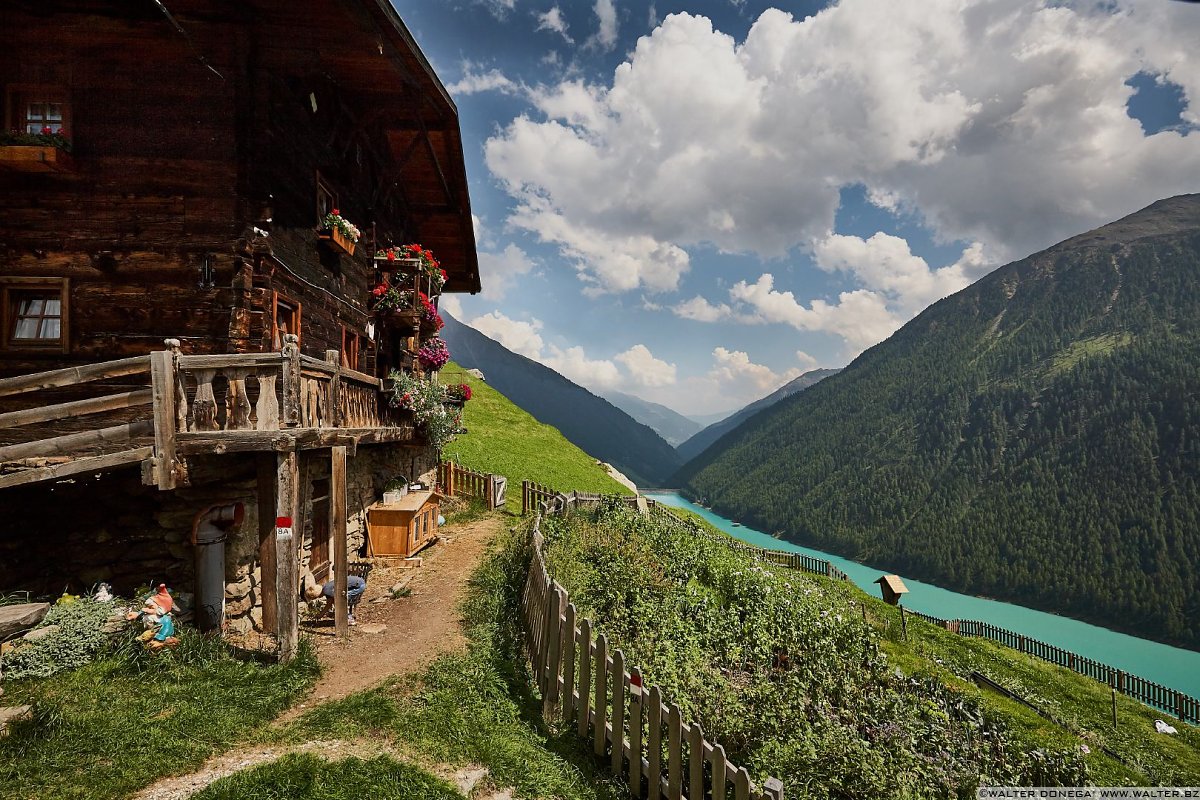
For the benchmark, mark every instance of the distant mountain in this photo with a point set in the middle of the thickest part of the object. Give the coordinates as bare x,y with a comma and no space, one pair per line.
704,420
1034,437
669,424
698,443
591,423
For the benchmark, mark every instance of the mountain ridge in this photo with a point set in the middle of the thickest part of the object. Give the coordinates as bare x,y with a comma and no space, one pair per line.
1032,437
705,438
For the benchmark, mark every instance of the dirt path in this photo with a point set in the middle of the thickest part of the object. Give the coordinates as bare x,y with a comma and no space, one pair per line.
420,627
417,629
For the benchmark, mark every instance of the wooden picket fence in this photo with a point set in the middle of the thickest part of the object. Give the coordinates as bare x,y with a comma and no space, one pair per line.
1184,707
640,733
456,480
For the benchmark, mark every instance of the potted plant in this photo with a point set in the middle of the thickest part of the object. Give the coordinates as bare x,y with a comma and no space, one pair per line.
47,151
394,305
340,231
433,354
458,395
431,320
419,258
424,399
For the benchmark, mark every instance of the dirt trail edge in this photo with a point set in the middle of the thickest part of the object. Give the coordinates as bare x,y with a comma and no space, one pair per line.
416,629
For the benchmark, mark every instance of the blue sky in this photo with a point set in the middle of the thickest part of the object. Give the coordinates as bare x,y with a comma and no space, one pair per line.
694,202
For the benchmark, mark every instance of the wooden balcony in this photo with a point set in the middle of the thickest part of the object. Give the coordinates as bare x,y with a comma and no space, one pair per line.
192,405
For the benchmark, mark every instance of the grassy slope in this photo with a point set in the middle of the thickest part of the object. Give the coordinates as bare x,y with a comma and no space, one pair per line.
504,439
1081,708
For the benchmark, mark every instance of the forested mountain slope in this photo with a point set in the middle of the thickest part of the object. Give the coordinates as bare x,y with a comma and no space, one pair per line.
1034,437
703,439
591,423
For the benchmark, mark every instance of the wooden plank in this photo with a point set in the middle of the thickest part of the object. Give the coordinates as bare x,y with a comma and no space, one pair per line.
654,743
635,731
617,678
73,375
287,560
266,539
63,445
337,527
674,753
221,361
292,399
600,698
75,467
741,785
77,408
695,740
585,674
718,773
568,655
554,606
162,381
773,789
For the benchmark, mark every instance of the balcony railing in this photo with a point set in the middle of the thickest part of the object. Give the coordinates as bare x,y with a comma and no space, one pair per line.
194,404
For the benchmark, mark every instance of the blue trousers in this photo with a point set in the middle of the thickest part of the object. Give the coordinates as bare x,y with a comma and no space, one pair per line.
355,586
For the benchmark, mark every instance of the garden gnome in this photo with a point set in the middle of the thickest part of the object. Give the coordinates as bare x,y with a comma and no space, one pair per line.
156,616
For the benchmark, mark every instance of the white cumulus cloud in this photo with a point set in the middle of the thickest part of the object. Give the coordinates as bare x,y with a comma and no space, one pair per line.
501,271
644,369
520,336
473,82
997,122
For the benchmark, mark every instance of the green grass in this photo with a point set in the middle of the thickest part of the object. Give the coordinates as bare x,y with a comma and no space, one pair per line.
781,667
118,724
502,438
1081,706
471,708
307,777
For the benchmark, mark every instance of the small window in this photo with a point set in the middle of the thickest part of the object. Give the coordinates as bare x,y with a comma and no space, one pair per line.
351,345
285,319
38,109
35,313
326,200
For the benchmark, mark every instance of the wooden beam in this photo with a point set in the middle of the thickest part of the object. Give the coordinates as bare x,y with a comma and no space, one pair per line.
266,541
76,466
76,408
73,375
162,381
287,558
226,360
63,445
337,526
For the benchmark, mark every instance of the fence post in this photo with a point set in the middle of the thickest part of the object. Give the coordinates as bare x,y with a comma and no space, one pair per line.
618,713
524,498
741,785
695,761
600,701
654,744
674,753
585,674
568,655
718,773
291,380
635,731
773,790
162,383
554,604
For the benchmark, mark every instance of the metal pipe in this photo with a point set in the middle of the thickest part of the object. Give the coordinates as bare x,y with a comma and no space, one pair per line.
210,529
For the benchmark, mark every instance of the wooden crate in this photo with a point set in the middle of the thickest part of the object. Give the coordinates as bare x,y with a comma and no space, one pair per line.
402,529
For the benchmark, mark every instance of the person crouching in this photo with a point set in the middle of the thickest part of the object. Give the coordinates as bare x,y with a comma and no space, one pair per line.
313,591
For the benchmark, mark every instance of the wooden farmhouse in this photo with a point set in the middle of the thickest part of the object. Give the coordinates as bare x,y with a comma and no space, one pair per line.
188,322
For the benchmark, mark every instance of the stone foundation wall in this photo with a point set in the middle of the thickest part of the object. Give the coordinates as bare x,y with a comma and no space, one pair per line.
70,535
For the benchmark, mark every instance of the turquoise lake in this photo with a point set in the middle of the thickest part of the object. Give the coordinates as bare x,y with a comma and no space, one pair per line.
1170,666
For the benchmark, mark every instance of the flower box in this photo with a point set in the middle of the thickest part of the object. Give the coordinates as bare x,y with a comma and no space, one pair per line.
35,158
338,238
